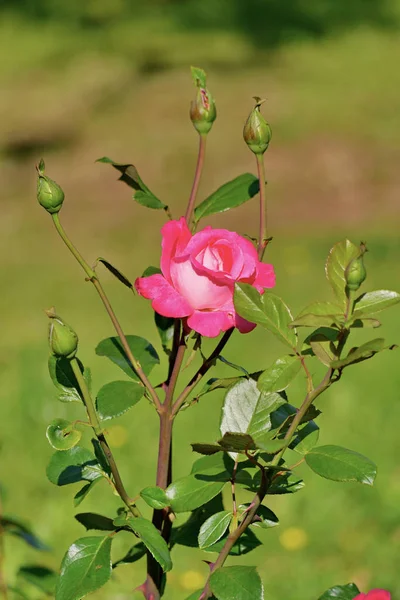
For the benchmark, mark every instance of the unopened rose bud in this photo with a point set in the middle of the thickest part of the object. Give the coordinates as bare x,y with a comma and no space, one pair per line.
63,340
256,132
202,109
49,193
356,273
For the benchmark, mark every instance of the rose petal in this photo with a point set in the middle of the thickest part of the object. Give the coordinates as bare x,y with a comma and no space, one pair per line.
265,277
210,323
243,325
200,291
176,236
165,299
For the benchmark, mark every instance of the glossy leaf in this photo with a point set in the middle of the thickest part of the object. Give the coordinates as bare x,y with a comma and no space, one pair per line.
247,542
131,177
116,272
364,352
310,320
214,528
321,308
306,438
221,463
187,534
155,497
374,302
339,464
364,322
64,379
265,517
42,578
237,442
94,521
141,349
83,492
206,449
192,491
165,328
85,568
134,554
287,483
280,374
117,397
266,310
19,529
230,195
62,435
153,541
340,256
341,592
240,583
73,465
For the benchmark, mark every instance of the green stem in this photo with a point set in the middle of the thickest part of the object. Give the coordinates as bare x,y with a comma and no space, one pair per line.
207,364
197,177
96,425
99,288
262,235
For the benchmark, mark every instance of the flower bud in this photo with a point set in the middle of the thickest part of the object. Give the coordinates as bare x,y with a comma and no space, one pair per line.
62,338
256,132
49,193
356,273
202,109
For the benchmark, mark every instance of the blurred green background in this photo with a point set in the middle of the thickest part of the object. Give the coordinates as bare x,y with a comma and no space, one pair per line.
80,80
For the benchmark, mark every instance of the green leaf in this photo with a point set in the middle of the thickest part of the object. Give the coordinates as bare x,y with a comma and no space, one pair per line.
73,465
287,483
341,592
134,554
266,310
141,349
206,449
95,521
280,374
339,464
155,497
364,322
364,352
86,567
214,528
64,379
116,272
196,595
230,195
153,541
240,583
190,492
264,518
237,442
165,327
311,320
321,308
131,177
41,577
17,528
188,533
247,542
116,398
339,258
306,438
83,492
62,435
373,302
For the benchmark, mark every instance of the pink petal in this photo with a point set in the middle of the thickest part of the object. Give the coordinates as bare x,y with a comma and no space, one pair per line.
243,325
176,236
165,300
378,595
210,324
201,292
265,277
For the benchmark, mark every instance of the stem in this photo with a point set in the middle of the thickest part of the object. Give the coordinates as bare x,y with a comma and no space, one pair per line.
262,235
197,176
96,425
235,535
99,288
3,584
207,364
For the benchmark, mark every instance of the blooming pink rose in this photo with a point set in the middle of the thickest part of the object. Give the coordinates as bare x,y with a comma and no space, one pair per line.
199,273
374,595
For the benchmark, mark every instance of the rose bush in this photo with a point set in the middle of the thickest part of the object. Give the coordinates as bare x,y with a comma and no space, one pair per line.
374,595
198,277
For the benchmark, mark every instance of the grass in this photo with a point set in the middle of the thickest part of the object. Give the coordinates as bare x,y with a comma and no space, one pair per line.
332,167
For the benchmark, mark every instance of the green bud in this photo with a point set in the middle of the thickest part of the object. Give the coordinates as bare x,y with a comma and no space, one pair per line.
256,132
202,109
356,273
62,338
49,193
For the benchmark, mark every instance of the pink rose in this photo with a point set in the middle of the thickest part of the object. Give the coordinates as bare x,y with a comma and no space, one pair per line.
199,273
374,595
